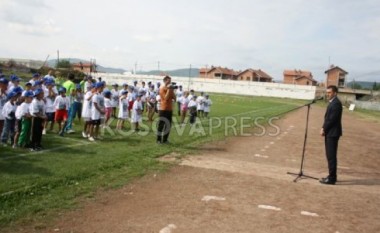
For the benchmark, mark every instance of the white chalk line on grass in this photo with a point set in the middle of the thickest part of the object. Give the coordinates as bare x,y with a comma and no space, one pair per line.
69,139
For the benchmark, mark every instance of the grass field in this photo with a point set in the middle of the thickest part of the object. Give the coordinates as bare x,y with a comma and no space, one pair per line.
36,186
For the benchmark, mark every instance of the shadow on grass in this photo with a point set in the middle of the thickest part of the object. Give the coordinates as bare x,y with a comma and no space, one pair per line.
22,166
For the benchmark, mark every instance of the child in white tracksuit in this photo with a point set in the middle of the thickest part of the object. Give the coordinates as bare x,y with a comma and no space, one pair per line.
137,110
192,107
206,105
123,110
8,111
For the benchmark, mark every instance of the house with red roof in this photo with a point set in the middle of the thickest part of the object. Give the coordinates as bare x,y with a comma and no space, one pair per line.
254,76
218,73
299,77
84,67
336,76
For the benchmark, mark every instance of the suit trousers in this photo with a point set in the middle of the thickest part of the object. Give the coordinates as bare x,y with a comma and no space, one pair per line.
331,146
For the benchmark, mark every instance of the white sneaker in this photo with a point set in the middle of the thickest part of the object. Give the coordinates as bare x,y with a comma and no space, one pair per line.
70,131
91,139
44,131
84,135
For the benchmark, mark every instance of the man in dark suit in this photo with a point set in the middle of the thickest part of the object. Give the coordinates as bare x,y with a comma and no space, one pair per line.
332,130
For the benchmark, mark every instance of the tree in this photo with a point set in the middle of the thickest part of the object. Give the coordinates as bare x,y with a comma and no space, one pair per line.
64,64
11,63
375,86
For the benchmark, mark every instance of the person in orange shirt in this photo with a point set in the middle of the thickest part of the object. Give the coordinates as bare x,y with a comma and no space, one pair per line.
166,110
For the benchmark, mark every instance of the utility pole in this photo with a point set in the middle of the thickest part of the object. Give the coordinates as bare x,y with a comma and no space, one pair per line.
56,66
188,83
135,67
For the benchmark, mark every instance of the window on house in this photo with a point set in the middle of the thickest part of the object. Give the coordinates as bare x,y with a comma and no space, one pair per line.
341,83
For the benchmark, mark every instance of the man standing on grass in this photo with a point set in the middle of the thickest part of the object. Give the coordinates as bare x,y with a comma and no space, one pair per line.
166,111
332,130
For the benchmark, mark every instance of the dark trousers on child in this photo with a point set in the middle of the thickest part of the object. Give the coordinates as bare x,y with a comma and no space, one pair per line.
37,127
193,116
8,130
179,108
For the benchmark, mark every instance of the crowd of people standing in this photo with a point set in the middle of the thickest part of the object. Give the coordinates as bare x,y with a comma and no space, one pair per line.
31,110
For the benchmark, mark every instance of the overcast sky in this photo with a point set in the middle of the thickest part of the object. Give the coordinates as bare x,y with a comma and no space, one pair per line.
271,35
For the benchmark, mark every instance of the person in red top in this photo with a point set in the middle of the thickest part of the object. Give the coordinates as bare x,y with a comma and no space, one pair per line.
166,111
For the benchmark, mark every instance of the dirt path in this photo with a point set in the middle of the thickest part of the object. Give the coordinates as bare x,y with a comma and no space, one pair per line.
241,185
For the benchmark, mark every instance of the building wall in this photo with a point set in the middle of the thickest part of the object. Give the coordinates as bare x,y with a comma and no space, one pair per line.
304,81
346,98
212,74
251,76
289,79
332,78
85,69
203,75
224,86
368,105
246,76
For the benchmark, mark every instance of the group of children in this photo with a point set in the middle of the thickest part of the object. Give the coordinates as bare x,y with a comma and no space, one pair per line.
188,102
25,113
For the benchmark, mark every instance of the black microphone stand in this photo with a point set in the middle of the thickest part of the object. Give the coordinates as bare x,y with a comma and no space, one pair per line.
300,174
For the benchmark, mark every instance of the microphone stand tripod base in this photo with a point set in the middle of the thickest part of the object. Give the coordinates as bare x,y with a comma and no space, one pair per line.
300,175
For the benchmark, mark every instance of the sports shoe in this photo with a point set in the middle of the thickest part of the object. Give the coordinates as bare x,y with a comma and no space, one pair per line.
84,135
44,131
70,131
91,139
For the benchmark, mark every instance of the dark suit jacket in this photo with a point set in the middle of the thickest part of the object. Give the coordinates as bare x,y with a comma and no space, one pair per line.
333,119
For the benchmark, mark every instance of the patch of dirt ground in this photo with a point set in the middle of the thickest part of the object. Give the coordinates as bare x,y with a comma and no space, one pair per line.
241,185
